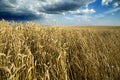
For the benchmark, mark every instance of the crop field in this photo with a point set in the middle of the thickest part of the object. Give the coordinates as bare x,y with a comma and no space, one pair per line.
35,52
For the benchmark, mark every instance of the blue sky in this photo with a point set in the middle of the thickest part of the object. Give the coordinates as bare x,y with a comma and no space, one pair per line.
62,12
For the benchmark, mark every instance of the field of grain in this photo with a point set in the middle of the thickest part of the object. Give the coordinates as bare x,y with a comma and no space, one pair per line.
33,52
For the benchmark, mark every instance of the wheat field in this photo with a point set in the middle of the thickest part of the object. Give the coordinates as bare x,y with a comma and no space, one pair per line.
36,52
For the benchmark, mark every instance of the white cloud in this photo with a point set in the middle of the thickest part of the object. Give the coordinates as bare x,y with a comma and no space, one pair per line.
106,2
115,3
88,11
112,10
84,11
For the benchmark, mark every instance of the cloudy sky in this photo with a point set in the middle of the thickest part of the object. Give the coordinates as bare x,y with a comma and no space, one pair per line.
62,12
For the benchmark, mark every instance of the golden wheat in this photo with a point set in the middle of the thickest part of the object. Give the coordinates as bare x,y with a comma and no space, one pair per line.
35,52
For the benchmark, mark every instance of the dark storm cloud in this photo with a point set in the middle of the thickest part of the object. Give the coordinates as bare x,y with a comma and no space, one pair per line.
34,9
18,16
65,6
8,11
61,7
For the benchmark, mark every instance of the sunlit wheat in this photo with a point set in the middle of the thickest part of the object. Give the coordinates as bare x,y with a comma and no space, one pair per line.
30,51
